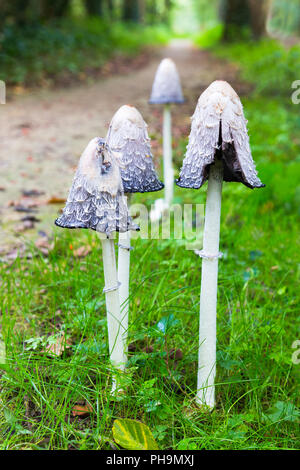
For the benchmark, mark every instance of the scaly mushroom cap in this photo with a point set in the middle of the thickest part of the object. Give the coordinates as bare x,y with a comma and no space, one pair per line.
166,87
127,134
218,131
96,199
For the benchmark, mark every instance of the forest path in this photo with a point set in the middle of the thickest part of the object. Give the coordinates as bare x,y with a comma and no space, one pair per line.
44,132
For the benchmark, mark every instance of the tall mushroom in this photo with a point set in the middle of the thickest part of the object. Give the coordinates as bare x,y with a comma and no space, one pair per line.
96,201
166,90
218,150
127,135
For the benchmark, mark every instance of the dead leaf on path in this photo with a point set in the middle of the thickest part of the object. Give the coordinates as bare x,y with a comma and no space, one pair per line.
82,251
24,209
25,204
56,200
30,218
44,245
57,348
32,192
12,255
82,410
19,90
25,131
2,188
26,225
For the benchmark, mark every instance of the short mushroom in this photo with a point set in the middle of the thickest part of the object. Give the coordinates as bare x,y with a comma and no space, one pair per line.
128,136
166,90
218,150
96,201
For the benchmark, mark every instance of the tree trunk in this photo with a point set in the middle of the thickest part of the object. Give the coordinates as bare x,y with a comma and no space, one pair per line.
258,13
168,4
111,9
152,13
236,15
94,7
18,11
54,8
131,10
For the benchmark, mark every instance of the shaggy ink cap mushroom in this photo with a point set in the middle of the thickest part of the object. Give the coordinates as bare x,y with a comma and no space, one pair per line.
96,199
166,88
218,131
127,135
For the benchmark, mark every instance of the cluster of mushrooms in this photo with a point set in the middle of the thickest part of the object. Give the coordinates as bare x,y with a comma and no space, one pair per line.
122,163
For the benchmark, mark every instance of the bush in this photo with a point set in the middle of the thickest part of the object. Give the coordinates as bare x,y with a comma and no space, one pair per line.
267,63
36,52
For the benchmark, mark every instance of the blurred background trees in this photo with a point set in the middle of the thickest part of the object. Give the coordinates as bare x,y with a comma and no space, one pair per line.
44,38
142,11
237,16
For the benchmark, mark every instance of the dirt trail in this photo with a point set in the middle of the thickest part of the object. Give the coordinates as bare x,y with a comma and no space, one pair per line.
43,133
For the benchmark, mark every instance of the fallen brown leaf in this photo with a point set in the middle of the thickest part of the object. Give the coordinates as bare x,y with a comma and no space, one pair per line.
24,204
175,354
44,245
26,225
32,192
82,251
57,348
56,200
82,410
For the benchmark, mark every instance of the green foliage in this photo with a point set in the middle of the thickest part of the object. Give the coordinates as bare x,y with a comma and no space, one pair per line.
37,52
209,37
282,411
285,17
267,64
133,435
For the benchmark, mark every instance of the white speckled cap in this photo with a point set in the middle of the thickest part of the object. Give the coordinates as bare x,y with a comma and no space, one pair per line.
127,134
218,131
96,199
166,86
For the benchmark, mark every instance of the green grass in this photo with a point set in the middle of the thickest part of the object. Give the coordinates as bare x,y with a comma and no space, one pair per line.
38,54
258,321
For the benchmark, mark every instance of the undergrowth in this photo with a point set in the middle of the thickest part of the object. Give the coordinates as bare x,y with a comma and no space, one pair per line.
38,53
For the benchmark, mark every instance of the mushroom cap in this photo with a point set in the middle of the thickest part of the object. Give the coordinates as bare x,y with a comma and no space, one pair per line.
96,199
218,131
127,135
166,87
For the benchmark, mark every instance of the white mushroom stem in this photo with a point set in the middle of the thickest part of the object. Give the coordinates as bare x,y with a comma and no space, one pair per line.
123,276
167,155
114,317
209,284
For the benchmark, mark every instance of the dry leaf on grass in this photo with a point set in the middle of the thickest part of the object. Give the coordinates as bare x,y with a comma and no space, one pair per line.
82,251
57,348
44,245
82,410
